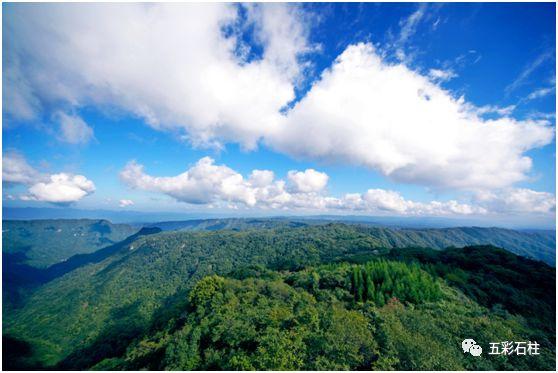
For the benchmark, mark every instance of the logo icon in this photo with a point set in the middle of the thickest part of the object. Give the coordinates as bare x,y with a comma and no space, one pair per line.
469,345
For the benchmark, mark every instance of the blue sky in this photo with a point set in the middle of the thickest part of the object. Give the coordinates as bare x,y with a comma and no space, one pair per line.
282,88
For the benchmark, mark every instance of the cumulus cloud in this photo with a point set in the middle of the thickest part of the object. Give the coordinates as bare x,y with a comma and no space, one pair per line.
61,188
125,202
218,185
394,120
73,129
281,30
307,181
179,66
388,201
518,200
205,83
15,169
203,183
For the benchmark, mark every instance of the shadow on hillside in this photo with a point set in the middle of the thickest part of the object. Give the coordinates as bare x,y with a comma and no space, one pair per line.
126,324
18,276
18,354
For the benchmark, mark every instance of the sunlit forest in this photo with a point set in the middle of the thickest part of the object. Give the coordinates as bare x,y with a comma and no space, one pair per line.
289,297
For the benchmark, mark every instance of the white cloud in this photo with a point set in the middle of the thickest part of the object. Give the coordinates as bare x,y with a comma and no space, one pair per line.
307,181
440,75
541,92
261,178
389,118
61,188
524,75
125,203
205,182
493,109
409,24
171,64
408,29
73,129
537,115
280,29
388,201
518,200
218,185
15,169
19,100
177,67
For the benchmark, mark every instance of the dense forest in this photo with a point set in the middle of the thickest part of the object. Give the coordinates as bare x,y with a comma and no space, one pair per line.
539,245
328,296
381,315
41,243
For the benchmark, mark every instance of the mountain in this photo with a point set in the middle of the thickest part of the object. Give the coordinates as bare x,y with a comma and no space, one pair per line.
40,243
142,217
534,244
18,278
235,224
122,216
380,315
28,244
131,300
36,251
540,245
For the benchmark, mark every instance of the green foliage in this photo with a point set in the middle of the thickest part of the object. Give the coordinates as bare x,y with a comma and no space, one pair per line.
290,323
494,278
286,298
45,242
204,290
265,324
380,280
539,245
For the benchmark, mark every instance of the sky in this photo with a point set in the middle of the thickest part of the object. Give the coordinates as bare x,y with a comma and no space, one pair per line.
384,109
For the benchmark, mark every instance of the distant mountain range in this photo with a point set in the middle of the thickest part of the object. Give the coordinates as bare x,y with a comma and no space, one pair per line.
141,218
534,244
41,243
32,213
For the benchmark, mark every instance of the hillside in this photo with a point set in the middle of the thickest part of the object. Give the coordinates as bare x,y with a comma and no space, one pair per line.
19,279
381,315
539,245
236,224
95,311
535,245
41,243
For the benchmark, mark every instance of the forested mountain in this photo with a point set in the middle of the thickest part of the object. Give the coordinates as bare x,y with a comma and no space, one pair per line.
41,243
20,279
535,245
539,245
235,224
135,308
382,315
